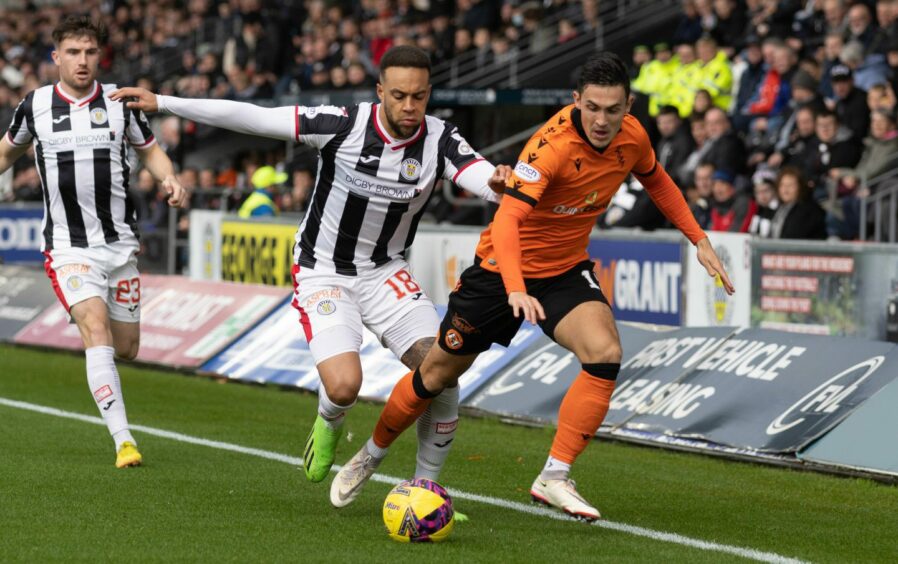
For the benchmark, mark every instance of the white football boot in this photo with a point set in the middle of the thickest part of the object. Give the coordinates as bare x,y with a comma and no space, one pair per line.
563,495
352,477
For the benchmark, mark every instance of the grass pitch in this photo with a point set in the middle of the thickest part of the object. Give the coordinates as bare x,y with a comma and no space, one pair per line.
61,498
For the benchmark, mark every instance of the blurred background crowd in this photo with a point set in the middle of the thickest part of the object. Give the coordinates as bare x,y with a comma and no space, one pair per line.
772,115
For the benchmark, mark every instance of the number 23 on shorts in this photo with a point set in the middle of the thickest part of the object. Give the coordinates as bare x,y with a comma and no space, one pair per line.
128,291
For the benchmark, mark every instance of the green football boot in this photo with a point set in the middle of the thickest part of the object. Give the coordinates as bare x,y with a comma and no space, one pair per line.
321,449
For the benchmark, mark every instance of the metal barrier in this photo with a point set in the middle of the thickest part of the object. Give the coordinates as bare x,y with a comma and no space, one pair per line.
883,193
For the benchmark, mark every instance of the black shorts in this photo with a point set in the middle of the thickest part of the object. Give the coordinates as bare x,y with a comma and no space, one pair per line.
479,314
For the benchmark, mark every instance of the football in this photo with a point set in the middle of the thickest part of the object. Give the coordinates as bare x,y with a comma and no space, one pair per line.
418,510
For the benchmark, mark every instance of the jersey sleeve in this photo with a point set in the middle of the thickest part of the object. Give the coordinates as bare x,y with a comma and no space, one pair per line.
277,123
138,131
533,172
646,163
317,125
19,132
458,155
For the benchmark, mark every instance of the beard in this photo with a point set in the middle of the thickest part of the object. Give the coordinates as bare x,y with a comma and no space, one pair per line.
403,131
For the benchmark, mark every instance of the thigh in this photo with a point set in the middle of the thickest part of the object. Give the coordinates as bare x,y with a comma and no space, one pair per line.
123,292
92,319
324,301
478,314
391,301
76,275
561,294
589,331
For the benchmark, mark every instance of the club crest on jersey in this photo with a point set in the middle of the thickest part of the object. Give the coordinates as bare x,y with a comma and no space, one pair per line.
465,149
326,307
526,172
591,198
98,116
410,169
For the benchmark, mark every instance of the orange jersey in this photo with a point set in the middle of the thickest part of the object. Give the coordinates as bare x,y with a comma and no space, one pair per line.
565,183
569,183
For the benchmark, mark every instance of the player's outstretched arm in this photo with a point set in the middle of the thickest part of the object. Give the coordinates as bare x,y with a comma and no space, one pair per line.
160,166
708,258
484,180
277,123
9,153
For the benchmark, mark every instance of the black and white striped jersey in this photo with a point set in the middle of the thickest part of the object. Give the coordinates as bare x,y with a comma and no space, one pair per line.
371,189
81,149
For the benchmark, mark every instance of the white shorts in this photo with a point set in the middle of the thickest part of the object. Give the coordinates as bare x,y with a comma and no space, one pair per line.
386,300
108,272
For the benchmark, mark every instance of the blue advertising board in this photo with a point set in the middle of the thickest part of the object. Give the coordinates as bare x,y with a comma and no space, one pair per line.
276,352
20,233
641,279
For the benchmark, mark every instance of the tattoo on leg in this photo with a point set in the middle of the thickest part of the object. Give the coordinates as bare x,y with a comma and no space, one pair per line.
414,356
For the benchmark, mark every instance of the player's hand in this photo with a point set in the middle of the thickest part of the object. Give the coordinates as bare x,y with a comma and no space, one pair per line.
708,258
499,178
177,195
136,99
522,303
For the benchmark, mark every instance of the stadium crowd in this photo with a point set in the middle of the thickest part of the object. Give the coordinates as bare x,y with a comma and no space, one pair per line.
771,114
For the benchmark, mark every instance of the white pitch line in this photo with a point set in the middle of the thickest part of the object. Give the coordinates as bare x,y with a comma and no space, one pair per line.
488,500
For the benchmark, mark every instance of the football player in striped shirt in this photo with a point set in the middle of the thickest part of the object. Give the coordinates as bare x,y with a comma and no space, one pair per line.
82,139
378,165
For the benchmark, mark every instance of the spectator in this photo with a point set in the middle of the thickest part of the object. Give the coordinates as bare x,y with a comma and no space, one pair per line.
702,102
675,143
802,140
730,27
832,51
655,77
699,195
726,152
689,28
835,148
881,97
798,215
260,202
684,80
868,70
775,90
730,210
751,73
699,132
861,27
715,76
850,102
764,184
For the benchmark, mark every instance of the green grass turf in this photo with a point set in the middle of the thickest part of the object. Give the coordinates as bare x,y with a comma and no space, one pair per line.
61,498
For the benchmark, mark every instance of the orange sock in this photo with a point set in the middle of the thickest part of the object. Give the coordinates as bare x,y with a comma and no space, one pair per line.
407,402
582,411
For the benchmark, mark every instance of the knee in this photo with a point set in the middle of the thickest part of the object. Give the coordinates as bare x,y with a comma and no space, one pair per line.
439,372
343,391
95,330
127,351
600,353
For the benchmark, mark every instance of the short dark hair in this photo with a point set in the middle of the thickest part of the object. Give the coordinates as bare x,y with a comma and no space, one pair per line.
604,69
668,110
79,26
827,113
405,56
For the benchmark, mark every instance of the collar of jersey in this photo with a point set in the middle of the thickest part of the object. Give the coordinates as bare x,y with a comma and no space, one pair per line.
578,125
394,144
80,101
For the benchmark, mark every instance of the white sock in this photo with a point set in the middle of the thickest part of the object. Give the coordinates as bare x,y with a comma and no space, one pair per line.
555,470
375,450
104,384
334,415
436,431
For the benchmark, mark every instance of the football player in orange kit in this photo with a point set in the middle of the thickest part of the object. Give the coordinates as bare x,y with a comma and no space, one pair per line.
532,264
